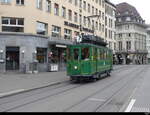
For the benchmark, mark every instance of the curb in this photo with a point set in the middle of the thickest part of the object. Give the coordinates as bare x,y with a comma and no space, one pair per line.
28,90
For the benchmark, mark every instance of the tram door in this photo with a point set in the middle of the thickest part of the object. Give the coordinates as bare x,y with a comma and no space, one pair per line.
12,58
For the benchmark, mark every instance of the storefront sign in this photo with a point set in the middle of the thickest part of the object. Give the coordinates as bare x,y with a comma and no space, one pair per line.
71,25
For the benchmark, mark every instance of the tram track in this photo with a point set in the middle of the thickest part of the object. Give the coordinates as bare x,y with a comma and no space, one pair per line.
120,89
62,85
63,89
101,90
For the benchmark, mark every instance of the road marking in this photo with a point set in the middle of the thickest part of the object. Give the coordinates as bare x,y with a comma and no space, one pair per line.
130,105
11,92
94,99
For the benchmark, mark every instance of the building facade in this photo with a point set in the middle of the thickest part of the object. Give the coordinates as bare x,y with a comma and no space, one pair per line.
38,31
148,43
110,27
131,35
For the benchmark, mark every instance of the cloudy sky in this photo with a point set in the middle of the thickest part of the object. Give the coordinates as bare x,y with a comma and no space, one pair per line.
143,7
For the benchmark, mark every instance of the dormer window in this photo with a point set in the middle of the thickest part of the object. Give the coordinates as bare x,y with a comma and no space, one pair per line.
126,12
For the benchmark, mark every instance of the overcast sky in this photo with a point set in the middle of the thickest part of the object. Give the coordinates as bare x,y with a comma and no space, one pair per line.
143,7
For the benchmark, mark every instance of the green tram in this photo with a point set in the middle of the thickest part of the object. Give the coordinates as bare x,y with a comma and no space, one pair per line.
88,61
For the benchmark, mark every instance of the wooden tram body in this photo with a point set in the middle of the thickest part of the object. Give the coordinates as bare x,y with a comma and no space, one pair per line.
89,59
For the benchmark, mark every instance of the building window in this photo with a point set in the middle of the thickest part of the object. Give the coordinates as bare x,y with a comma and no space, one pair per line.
42,55
84,5
80,19
42,28
39,4
103,16
120,35
127,27
67,34
84,21
100,2
105,21
106,32
93,10
96,26
103,28
20,2
89,8
114,46
75,17
12,24
5,1
128,45
56,9
63,12
80,4
120,45
100,26
70,1
96,11
70,15
48,5
103,3
56,31
76,3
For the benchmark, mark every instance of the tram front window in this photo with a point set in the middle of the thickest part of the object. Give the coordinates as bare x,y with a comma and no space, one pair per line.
76,54
85,54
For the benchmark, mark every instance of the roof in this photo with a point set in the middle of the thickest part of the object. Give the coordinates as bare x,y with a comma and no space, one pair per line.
124,7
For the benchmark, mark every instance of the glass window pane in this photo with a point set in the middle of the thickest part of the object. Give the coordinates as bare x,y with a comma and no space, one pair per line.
76,54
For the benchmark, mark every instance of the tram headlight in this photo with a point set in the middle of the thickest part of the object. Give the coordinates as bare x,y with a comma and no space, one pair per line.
75,67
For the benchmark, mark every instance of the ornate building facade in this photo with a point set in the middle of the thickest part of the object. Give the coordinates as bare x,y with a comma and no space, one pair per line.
131,35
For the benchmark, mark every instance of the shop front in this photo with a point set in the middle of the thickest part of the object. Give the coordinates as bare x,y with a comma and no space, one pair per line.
57,56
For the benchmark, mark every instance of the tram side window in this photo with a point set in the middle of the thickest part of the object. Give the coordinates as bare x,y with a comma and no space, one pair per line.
85,54
105,54
69,54
76,54
95,54
102,54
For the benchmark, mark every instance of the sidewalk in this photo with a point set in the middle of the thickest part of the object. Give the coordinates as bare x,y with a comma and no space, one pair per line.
15,83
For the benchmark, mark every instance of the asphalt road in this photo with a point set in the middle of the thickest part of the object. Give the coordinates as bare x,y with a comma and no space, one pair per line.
110,94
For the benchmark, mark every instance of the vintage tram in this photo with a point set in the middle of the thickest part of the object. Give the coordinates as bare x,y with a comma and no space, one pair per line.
89,59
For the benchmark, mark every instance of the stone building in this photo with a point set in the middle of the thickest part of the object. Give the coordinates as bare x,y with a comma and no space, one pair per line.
38,31
131,35
148,43
110,28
